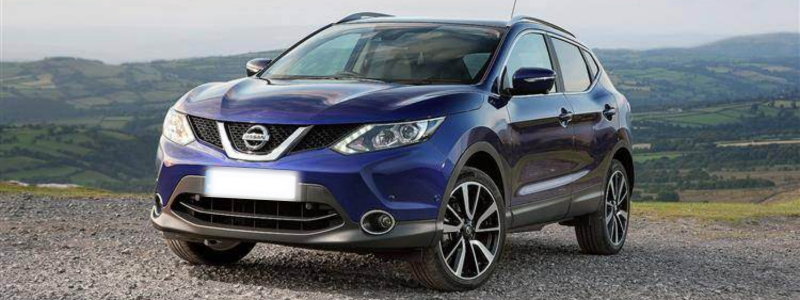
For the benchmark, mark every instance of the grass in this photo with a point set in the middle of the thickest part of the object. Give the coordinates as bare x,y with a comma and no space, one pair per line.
91,101
11,163
78,192
725,212
648,156
46,171
114,123
713,116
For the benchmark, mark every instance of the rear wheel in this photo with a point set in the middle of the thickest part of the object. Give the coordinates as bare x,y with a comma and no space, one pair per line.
605,231
471,243
217,253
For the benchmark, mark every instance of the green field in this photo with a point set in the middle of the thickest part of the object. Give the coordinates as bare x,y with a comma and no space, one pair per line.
64,193
10,163
648,156
716,115
727,212
90,156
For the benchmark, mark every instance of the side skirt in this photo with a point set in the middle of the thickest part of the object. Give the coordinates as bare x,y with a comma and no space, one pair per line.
539,212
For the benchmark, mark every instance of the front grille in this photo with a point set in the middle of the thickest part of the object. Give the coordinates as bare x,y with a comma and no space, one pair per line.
323,136
277,135
206,130
265,215
320,136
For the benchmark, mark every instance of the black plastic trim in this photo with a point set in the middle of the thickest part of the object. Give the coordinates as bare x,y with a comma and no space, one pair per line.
348,236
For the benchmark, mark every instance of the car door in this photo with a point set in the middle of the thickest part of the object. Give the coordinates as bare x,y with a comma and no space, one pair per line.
593,123
542,140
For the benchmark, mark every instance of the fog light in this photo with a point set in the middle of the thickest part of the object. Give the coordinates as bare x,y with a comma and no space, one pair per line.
377,222
157,205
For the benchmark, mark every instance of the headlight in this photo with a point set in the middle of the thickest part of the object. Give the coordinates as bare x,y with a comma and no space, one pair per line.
375,137
176,128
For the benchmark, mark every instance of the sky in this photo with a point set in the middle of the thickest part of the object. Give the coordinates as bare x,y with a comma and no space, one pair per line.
117,31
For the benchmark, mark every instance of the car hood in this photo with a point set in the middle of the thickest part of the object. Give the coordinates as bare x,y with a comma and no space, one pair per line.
326,101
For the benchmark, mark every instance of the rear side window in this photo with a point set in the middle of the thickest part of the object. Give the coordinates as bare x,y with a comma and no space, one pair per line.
573,68
593,69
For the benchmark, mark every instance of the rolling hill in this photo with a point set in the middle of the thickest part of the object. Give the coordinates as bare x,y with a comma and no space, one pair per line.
747,67
82,121
80,91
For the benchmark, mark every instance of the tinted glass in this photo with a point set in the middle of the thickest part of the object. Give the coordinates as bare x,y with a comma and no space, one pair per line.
573,67
476,62
593,69
330,57
530,51
412,53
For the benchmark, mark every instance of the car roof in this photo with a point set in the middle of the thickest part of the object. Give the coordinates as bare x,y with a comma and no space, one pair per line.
371,18
488,23
527,21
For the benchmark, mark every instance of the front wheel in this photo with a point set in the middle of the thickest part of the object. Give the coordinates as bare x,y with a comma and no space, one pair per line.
605,231
471,243
218,253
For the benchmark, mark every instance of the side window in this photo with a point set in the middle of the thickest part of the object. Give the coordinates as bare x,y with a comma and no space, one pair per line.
530,51
573,68
593,69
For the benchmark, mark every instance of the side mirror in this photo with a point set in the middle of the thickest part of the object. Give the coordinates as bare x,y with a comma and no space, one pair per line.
532,81
256,65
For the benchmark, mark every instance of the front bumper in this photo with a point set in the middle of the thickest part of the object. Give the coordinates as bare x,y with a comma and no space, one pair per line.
406,182
347,236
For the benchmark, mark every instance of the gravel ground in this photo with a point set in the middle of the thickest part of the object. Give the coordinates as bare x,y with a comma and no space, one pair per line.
106,249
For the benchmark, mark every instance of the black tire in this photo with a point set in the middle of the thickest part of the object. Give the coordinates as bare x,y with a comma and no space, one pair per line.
432,270
200,254
594,233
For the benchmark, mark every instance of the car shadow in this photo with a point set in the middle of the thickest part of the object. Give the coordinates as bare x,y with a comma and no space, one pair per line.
315,271
277,267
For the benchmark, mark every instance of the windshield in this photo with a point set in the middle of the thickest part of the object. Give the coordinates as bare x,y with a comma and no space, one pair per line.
406,53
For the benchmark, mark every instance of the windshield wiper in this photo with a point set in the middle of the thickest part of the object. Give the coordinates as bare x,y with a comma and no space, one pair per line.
359,78
427,81
332,78
265,79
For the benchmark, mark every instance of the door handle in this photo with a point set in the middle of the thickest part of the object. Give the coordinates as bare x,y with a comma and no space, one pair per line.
565,117
609,112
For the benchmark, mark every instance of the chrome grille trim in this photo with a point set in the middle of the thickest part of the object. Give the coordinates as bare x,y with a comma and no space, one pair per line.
276,153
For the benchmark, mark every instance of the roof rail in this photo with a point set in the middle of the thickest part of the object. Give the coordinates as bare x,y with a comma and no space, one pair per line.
518,19
362,15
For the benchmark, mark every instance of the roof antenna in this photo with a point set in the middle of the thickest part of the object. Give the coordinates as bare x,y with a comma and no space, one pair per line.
512,9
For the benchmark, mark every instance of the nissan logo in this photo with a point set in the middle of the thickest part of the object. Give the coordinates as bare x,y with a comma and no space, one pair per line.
256,137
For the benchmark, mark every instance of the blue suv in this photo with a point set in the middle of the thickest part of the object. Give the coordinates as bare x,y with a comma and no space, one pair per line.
426,139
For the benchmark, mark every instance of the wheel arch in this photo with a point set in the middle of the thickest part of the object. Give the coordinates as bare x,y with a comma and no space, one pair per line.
485,154
624,153
624,156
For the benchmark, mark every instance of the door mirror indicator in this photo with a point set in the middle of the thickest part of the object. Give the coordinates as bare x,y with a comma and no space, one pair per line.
256,65
532,81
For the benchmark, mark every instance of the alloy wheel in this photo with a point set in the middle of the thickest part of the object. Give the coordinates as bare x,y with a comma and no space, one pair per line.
472,229
617,207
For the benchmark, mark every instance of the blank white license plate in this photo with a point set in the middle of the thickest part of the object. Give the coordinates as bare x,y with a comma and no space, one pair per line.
254,184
